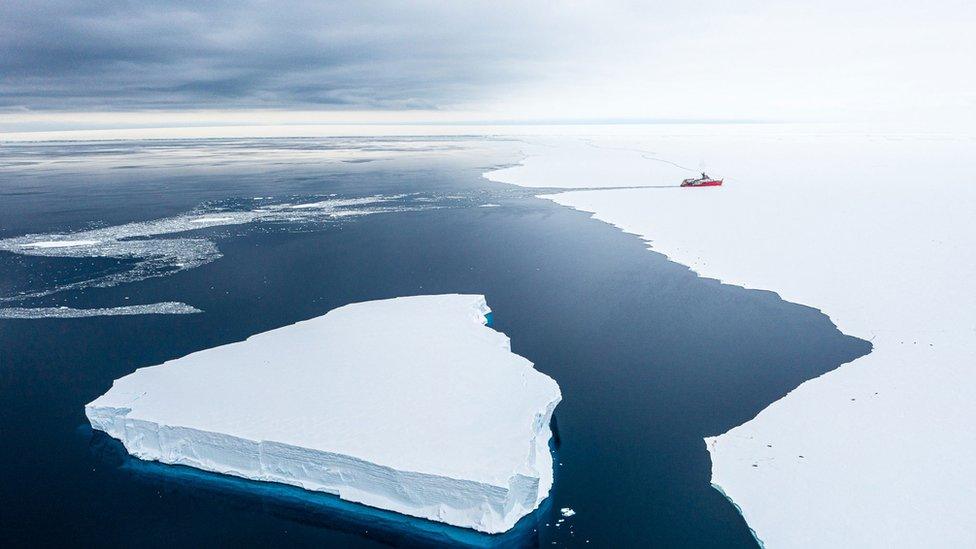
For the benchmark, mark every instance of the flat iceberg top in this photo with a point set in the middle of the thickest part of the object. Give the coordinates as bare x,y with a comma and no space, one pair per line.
416,384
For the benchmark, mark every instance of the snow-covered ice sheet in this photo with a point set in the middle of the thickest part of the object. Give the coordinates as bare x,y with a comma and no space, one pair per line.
878,232
558,162
409,404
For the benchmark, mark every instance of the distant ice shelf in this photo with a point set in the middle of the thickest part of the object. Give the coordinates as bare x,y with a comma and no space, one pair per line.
410,404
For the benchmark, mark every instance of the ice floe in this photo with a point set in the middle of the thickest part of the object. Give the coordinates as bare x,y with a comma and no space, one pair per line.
59,243
211,220
164,308
157,253
410,404
875,230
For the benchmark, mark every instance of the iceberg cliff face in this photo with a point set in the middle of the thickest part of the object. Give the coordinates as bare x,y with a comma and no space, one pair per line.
409,404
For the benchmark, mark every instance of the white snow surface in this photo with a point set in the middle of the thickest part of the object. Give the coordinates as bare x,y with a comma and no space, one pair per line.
878,232
409,404
588,163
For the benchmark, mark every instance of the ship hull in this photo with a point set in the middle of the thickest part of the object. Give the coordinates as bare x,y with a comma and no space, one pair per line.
710,183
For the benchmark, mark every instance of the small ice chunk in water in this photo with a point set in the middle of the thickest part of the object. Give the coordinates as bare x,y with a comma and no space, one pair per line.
567,512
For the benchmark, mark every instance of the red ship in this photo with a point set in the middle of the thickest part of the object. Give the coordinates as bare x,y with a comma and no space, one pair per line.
703,181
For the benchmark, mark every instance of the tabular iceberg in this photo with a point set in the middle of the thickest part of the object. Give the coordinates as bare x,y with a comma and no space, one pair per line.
409,404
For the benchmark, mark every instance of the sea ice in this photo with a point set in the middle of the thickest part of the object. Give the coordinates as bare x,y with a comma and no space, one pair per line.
877,231
151,250
409,404
59,243
212,220
164,308
555,162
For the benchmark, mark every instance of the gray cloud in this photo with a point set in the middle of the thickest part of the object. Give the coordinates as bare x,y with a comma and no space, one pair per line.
506,59
102,55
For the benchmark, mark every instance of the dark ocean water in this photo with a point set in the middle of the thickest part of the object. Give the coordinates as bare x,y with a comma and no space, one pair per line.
650,357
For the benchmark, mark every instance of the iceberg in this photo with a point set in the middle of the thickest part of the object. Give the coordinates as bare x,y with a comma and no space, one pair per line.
410,404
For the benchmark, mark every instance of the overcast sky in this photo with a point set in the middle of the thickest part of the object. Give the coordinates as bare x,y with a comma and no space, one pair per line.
88,62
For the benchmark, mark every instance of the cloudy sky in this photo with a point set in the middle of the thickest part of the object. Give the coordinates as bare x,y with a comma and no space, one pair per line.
93,63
